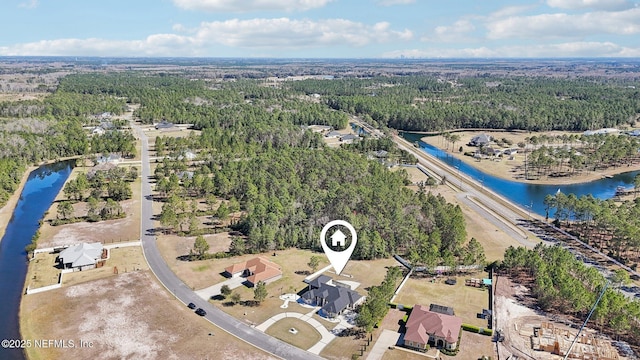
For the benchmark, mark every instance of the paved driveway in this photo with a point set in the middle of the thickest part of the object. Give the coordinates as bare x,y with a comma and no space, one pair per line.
326,336
213,290
386,339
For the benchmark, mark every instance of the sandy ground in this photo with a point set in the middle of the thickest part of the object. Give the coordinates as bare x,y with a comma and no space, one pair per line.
517,321
119,316
513,169
6,212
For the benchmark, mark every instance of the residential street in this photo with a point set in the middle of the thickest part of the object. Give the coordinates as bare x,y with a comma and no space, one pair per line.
184,293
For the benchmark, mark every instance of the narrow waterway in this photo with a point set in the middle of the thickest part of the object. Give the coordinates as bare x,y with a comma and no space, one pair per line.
524,194
37,195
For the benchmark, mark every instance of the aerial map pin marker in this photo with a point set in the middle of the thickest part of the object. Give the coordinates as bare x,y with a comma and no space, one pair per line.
338,259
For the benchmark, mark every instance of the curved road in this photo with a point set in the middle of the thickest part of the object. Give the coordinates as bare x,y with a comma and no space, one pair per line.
184,293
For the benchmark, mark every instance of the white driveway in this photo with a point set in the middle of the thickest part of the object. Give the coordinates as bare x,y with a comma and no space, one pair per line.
213,290
386,339
326,336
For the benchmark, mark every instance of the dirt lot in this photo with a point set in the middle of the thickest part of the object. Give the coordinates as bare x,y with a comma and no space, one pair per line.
514,169
119,317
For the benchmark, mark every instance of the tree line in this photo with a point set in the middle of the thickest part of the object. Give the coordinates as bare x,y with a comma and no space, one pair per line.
612,227
425,103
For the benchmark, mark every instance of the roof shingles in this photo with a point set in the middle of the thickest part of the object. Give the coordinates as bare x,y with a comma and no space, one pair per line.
422,323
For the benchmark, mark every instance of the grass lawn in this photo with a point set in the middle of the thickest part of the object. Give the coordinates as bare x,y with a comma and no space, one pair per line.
126,259
342,348
465,300
368,273
257,314
306,337
43,271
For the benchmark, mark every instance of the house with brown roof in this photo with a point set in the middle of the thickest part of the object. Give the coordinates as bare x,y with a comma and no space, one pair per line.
428,327
255,270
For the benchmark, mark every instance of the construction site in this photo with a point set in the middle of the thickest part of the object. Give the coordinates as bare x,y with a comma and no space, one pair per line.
556,340
525,333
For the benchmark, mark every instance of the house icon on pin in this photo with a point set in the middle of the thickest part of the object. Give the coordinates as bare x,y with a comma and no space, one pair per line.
338,239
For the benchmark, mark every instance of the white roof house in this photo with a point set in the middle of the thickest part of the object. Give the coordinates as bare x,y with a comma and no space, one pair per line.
81,255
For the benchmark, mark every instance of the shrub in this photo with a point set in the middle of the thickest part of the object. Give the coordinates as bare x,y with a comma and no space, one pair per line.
471,328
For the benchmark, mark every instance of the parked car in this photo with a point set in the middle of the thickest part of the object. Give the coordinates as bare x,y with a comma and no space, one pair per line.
191,306
201,312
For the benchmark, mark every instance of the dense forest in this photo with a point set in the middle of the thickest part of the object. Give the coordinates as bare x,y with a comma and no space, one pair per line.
402,102
531,103
255,153
563,284
288,190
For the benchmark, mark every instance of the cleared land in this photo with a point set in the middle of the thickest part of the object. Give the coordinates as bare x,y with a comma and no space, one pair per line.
305,337
120,316
514,169
106,232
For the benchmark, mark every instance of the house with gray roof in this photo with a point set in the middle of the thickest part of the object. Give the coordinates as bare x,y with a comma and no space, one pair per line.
333,300
83,256
165,125
480,140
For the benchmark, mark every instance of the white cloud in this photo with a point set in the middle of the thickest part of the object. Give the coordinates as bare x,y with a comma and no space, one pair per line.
510,11
29,4
250,5
562,50
458,31
284,32
563,25
154,45
394,2
262,35
608,5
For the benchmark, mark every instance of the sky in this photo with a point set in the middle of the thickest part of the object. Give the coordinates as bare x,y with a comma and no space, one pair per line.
322,28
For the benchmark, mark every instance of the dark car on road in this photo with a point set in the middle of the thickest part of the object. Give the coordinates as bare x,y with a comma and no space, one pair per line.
191,306
201,312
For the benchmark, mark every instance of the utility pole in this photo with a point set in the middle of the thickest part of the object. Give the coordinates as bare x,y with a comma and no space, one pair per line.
566,356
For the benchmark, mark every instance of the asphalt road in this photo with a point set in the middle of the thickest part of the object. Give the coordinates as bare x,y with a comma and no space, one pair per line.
185,294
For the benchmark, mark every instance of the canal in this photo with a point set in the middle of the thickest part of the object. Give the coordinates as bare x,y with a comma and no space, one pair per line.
37,195
524,194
